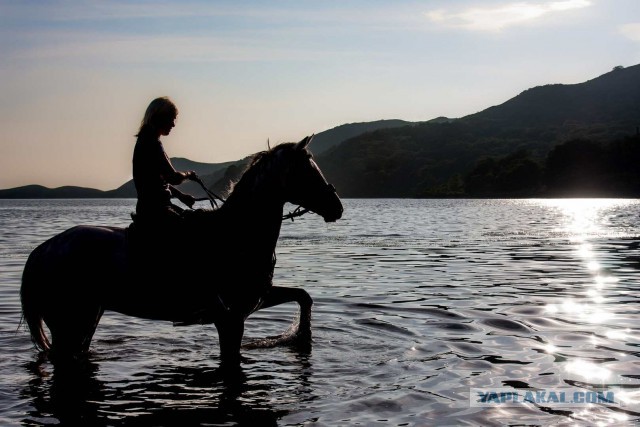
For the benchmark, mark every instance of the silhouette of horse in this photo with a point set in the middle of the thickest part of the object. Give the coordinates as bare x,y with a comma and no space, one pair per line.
72,278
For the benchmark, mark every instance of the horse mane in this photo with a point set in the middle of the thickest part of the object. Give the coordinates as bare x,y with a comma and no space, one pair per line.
255,172
259,164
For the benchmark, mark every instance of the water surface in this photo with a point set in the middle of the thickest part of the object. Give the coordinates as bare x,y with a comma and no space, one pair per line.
416,303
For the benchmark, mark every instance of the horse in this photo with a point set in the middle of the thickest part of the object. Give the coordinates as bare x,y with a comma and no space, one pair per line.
71,279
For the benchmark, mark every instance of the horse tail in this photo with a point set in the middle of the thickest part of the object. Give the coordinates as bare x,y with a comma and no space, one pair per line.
33,303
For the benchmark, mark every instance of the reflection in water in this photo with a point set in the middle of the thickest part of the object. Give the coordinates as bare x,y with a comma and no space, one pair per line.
588,370
584,222
67,393
73,394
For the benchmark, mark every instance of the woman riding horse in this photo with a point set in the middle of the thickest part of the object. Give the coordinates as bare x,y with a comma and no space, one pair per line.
71,279
153,174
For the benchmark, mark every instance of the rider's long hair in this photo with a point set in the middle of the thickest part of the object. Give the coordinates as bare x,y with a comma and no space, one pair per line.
159,111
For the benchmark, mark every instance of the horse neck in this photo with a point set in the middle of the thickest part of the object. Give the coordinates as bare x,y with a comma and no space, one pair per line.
257,209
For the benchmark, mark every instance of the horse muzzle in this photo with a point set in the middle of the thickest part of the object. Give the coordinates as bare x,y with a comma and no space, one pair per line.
334,209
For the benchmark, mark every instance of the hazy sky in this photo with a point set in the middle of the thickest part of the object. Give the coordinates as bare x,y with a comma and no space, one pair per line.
76,76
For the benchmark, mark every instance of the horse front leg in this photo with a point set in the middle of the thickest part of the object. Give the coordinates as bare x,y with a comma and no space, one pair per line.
300,331
230,331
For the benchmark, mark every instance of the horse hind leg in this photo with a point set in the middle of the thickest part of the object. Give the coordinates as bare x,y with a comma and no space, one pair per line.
72,331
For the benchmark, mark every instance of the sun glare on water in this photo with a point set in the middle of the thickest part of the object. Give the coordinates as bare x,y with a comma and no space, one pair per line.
586,224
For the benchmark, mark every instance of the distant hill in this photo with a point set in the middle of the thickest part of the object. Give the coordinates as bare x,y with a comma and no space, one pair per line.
126,190
332,137
396,158
610,98
216,176
421,160
200,168
208,172
41,192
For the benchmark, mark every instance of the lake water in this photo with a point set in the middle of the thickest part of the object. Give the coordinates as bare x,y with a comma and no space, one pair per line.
417,302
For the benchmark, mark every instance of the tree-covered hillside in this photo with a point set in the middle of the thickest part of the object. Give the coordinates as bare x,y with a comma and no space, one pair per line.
430,159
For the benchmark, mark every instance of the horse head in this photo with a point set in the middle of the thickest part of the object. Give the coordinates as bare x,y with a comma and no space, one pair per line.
306,186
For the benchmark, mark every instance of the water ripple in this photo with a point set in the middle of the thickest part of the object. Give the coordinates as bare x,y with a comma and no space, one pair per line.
416,303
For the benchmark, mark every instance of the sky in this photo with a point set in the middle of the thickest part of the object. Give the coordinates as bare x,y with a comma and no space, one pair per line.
76,76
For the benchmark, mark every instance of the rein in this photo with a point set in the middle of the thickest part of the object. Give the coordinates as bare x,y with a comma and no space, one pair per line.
212,197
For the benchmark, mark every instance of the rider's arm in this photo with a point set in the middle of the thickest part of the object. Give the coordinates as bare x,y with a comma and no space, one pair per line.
169,174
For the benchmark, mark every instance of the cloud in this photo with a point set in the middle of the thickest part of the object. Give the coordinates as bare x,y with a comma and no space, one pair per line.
631,31
500,17
189,31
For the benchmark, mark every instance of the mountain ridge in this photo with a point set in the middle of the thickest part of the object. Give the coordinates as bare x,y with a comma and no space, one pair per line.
428,158
397,158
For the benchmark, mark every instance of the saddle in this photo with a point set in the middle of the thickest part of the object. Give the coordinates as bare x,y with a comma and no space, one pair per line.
160,239
151,240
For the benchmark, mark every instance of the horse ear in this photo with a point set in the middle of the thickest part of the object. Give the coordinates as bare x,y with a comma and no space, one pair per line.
303,144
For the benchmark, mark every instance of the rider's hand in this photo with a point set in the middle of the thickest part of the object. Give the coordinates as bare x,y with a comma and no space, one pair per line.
192,175
188,200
